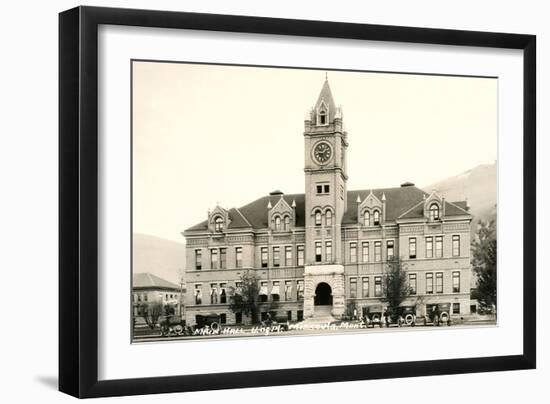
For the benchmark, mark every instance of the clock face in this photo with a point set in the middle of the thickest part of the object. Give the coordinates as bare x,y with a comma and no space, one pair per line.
322,152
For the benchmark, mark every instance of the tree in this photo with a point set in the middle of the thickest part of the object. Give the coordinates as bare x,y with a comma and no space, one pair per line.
246,299
352,311
395,285
151,313
484,263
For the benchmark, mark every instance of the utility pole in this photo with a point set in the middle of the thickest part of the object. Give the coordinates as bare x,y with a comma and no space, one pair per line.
182,282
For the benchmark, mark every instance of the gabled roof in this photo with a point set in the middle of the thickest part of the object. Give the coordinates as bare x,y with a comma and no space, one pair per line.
236,218
454,209
461,204
406,200
451,209
414,212
147,280
398,200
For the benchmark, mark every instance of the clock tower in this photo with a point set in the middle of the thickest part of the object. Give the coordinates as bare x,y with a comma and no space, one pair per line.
325,155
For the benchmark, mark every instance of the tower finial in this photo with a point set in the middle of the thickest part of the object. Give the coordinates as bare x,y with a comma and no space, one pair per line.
326,76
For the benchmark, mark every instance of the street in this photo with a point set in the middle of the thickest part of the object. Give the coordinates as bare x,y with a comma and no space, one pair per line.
142,334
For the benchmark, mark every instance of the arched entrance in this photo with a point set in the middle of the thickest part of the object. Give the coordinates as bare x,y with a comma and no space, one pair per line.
323,294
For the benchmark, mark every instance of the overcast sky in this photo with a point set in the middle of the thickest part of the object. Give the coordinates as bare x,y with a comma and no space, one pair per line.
204,134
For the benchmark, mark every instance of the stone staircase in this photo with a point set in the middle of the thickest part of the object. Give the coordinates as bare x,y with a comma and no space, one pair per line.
321,315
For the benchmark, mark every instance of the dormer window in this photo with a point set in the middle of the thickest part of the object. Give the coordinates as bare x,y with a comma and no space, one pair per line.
434,211
366,218
278,223
318,220
376,218
218,224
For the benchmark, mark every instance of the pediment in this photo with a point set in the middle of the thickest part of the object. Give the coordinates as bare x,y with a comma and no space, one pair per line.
370,202
217,212
281,206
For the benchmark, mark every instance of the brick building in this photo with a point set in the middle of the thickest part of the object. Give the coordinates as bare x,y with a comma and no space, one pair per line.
148,288
329,246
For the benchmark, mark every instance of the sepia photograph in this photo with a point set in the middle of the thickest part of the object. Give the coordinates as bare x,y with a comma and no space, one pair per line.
271,201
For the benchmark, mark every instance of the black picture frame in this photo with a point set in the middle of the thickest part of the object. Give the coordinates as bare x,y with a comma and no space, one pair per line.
78,200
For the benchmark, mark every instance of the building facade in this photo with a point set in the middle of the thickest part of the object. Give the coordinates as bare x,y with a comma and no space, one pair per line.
329,246
148,288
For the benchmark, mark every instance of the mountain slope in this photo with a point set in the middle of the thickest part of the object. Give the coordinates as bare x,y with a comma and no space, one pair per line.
478,185
160,257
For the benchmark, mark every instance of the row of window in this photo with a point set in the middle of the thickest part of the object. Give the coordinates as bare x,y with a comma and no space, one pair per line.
438,247
220,294
322,189
143,297
276,291
283,256
319,218
371,219
287,260
412,278
390,251
218,258
281,223
438,282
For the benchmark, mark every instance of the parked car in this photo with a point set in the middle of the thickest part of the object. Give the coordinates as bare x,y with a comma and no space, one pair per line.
404,315
207,320
374,315
438,314
408,313
281,321
172,325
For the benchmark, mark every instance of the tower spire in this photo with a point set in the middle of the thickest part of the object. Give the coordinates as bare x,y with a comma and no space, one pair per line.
325,102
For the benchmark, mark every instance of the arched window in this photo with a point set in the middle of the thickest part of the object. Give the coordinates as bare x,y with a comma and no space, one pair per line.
376,217
322,117
318,218
434,211
218,224
366,218
287,223
278,223
328,218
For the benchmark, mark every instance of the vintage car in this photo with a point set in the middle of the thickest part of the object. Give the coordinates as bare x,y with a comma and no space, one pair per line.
207,320
374,315
404,315
172,325
408,314
281,321
438,314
